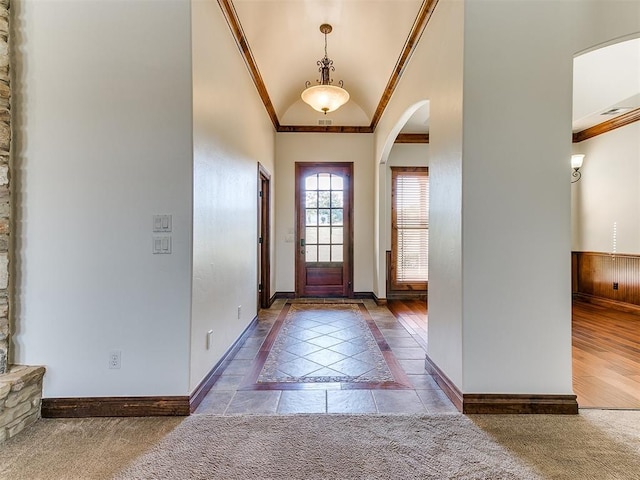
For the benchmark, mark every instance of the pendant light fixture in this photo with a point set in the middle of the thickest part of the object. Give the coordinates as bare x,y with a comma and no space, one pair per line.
325,97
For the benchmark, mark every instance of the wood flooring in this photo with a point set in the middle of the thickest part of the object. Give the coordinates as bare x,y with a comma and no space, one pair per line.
606,357
412,314
605,348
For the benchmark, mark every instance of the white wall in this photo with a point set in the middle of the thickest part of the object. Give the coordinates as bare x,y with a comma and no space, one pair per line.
488,219
513,231
232,133
102,142
608,192
435,73
323,147
517,330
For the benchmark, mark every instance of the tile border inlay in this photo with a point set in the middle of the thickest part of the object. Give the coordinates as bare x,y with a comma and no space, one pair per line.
396,380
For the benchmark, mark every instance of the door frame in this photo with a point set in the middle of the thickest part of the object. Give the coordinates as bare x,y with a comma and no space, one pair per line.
264,237
348,214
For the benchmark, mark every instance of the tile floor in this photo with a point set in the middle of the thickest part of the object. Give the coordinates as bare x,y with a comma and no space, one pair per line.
227,397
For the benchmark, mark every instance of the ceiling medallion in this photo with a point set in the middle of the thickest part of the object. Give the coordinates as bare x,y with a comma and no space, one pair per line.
325,97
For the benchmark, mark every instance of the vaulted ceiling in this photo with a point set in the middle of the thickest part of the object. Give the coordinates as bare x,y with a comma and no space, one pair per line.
371,43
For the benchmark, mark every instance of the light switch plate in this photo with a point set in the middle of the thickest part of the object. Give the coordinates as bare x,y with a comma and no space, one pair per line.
161,245
162,223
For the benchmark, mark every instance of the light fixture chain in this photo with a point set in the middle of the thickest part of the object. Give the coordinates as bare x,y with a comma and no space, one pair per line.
325,44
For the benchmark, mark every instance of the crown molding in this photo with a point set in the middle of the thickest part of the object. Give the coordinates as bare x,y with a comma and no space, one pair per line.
233,21
412,138
424,15
231,16
320,129
604,127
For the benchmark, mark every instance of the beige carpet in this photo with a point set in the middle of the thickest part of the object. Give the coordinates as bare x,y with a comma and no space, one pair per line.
594,445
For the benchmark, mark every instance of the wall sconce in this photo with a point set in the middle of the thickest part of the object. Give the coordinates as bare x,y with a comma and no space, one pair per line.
576,164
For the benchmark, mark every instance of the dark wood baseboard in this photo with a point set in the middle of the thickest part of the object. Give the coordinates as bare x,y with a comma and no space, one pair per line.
272,299
381,302
207,382
447,386
283,295
501,403
605,302
115,407
364,295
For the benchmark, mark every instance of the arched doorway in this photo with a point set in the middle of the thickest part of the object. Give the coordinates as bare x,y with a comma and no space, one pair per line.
606,226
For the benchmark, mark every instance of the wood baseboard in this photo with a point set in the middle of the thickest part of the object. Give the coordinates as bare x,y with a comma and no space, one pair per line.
502,403
272,299
605,302
447,386
519,404
381,302
115,407
286,295
207,382
364,295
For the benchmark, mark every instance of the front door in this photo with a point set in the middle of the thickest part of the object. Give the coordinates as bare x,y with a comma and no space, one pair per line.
324,233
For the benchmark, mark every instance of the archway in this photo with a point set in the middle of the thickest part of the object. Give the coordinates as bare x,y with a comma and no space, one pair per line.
414,121
606,235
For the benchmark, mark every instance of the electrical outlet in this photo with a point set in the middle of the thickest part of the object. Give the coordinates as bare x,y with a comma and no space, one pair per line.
615,285
114,359
239,311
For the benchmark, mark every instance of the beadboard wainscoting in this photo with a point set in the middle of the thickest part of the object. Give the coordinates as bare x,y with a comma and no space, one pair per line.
607,278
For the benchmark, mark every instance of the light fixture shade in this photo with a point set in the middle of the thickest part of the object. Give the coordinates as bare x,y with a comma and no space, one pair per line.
325,98
576,160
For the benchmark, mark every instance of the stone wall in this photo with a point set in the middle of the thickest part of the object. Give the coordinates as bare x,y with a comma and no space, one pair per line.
20,386
5,144
20,398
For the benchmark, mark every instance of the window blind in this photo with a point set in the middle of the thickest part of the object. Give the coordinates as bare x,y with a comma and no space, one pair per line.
410,225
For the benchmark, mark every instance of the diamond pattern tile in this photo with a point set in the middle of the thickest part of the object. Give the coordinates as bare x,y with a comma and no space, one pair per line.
325,357
300,367
304,334
352,367
302,348
349,349
325,343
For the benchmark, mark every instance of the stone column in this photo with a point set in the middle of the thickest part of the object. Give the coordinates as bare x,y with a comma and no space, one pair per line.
5,144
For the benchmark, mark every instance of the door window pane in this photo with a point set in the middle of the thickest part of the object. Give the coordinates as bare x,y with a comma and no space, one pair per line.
336,235
324,199
337,182
336,216
312,236
337,199
324,253
312,254
312,199
311,182
324,235
324,217
336,253
324,181
312,217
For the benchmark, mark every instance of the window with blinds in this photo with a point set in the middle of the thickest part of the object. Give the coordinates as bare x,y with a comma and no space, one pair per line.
410,228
